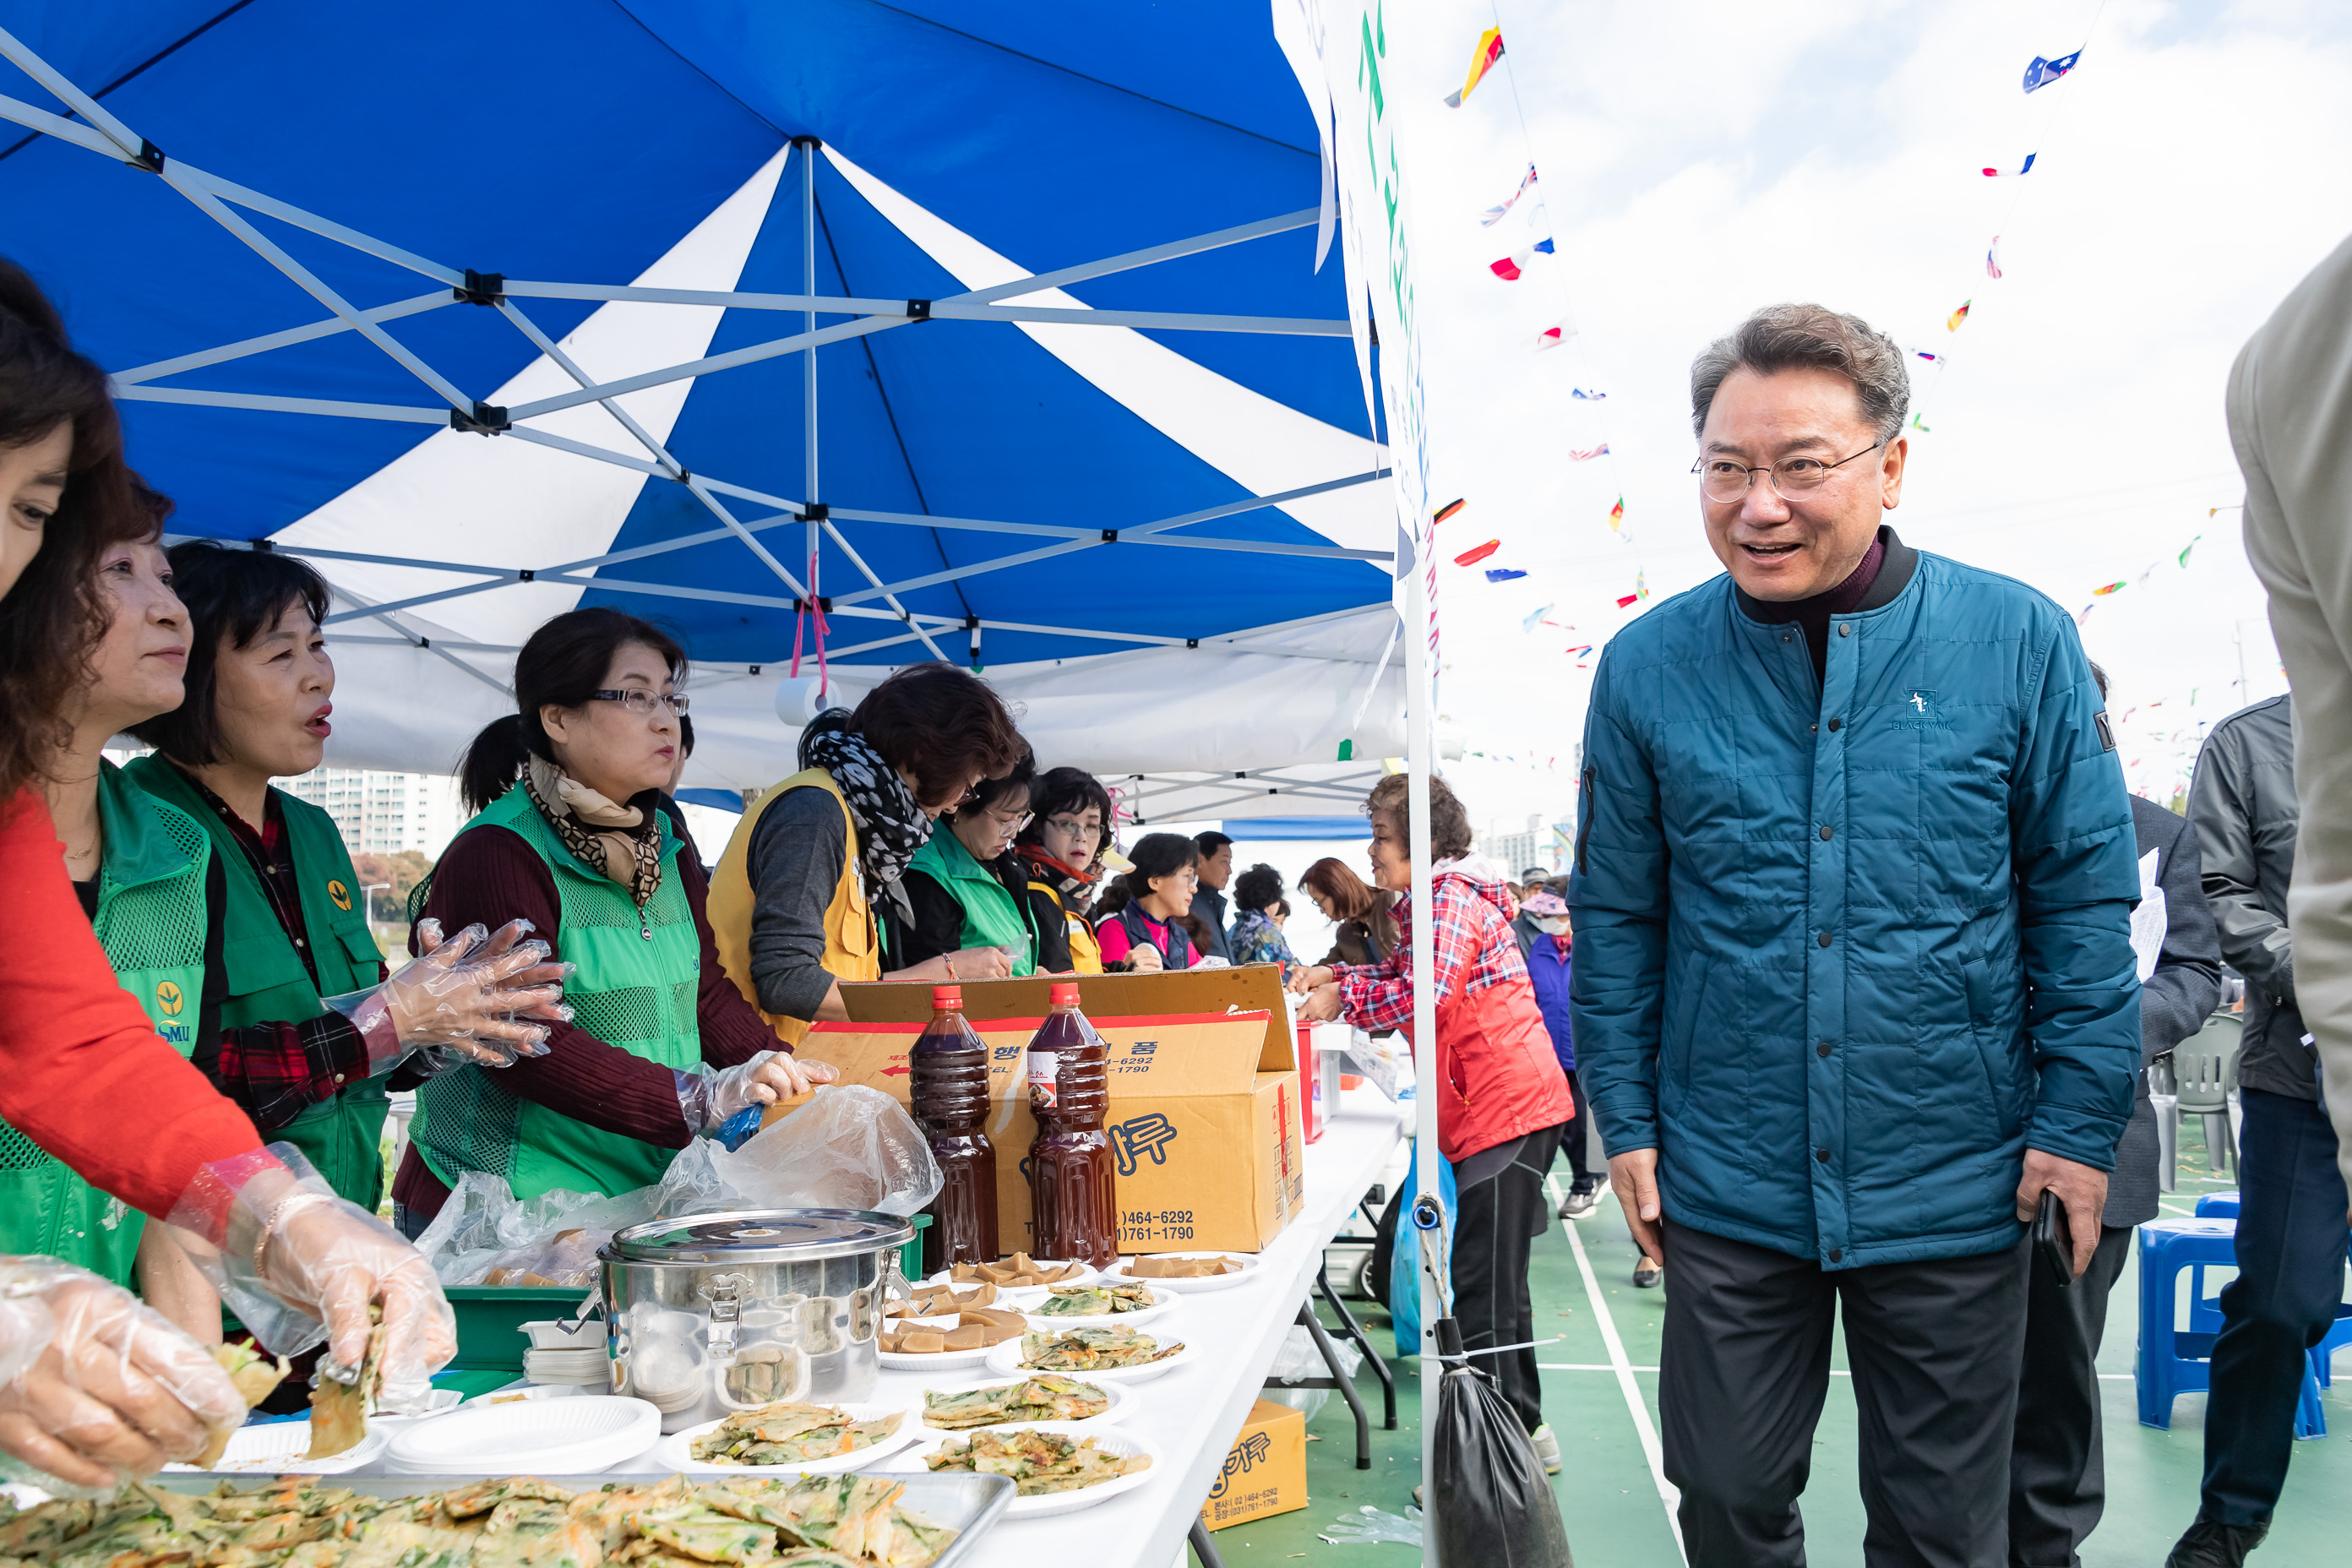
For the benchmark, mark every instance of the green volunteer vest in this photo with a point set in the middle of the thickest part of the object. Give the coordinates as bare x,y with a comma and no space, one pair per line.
151,921
637,986
991,917
267,983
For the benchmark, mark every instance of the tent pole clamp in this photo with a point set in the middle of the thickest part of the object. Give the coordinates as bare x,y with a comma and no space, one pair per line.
480,289
487,419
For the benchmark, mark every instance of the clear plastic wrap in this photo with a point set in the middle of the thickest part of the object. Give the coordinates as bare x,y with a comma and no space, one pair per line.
473,997
484,1230
94,1387
850,1147
299,1265
709,1100
1299,1358
1367,1526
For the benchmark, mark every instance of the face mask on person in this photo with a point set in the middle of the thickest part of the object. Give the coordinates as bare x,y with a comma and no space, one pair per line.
1554,925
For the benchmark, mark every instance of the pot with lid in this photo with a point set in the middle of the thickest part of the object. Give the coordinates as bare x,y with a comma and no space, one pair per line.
720,1312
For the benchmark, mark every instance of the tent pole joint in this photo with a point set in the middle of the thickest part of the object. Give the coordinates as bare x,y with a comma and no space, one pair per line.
487,419
816,512
151,157
919,310
480,289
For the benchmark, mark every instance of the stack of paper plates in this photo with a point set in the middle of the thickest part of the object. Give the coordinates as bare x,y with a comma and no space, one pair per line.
575,1366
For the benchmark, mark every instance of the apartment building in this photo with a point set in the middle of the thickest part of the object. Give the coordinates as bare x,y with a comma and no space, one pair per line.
384,812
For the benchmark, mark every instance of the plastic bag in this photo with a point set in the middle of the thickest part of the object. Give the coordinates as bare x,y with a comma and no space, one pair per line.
1494,1504
552,1239
1298,1358
1404,1260
850,1147
1367,1526
1366,1058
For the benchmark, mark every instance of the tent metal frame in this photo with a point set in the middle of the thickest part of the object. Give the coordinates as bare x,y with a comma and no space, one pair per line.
98,130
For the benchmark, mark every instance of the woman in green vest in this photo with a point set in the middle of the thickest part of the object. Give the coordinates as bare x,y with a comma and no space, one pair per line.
156,899
569,833
964,889
260,688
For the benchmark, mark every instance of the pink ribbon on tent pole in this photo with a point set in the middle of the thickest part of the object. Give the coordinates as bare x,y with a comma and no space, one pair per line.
811,608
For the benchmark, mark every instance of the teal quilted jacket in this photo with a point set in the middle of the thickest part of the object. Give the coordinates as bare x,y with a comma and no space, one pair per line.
1844,952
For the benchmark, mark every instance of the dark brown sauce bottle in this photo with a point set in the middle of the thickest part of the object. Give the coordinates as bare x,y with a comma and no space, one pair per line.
948,1081
1073,1188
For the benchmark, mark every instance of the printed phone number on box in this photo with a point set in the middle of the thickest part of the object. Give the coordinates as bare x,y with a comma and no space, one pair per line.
1172,1225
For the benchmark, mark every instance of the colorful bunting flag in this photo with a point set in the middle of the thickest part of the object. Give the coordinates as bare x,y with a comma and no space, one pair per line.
1510,267
2187,548
1992,257
1642,585
1551,337
1504,574
1534,618
1931,359
1448,510
1626,599
2025,168
1471,556
2042,73
1958,316
1920,425
1617,515
1587,455
1482,60
1582,396
1493,214
2097,593
1578,652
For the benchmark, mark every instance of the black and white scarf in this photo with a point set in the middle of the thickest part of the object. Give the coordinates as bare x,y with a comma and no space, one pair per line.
890,826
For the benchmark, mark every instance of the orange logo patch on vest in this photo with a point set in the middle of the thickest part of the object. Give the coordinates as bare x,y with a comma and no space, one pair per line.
169,998
341,894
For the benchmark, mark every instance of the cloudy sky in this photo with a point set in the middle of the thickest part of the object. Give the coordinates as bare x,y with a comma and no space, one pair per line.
1697,160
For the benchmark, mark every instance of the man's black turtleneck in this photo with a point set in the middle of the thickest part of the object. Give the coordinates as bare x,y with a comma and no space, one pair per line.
1885,572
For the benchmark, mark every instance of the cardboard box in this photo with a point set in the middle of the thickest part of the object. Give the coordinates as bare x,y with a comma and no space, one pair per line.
1205,1112
1266,1469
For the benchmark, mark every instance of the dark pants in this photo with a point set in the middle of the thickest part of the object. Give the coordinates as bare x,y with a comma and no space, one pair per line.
1935,1348
408,1221
2291,1239
1493,1222
1579,1137
2057,1472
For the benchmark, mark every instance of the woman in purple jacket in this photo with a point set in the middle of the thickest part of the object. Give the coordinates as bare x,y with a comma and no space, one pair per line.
1548,966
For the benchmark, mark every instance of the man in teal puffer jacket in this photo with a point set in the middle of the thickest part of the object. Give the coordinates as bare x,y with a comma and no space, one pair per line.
1854,981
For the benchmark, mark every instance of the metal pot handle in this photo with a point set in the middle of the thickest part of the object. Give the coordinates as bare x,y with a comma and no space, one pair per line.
588,1304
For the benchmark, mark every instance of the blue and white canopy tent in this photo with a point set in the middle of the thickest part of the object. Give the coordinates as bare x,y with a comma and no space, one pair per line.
986,334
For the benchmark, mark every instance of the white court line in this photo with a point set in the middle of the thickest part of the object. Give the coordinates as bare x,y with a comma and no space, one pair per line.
1621,1365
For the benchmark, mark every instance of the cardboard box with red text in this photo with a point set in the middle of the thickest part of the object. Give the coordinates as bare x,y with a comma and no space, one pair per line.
1204,1117
1266,1469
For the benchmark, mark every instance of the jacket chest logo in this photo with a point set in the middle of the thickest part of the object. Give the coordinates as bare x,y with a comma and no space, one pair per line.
169,1000
339,894
1920,710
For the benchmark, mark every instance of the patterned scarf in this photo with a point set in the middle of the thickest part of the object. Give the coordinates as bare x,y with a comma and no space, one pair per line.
890,826
621,841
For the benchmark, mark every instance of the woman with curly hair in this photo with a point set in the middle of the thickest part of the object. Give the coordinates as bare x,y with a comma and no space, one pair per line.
1257,935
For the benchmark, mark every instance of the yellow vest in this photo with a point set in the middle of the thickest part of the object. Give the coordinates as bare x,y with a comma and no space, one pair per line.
851,950
1086,948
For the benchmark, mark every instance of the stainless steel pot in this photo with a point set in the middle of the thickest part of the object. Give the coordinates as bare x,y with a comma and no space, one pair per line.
722,1312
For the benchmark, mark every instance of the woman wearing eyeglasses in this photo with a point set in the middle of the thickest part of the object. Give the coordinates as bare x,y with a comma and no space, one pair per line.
965,888
1065,851
569,833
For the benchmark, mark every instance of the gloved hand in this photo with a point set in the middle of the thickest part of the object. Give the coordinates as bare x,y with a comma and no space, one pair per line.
94,1387
468,998
297,1265
707,1100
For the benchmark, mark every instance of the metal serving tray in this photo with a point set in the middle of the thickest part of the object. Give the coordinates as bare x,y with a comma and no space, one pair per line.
970,1504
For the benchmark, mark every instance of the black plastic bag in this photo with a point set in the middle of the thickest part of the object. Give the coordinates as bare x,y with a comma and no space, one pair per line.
1495,1506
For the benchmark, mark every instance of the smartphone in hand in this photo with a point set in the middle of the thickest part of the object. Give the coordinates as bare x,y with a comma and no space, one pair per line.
2052,1239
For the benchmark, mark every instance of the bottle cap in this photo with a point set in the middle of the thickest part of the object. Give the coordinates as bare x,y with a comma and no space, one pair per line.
947,996
1065,993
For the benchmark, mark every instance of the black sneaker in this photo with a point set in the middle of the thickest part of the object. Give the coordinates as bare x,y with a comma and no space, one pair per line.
2210,1543
1580,1202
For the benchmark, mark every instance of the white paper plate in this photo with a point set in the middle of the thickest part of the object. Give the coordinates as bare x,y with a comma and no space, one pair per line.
675,1452
575,1436
1122,1403
1162,1303
1004,1360
942,1361
1115,1439
1009,1298
1085,1272
277,1449
1189,1287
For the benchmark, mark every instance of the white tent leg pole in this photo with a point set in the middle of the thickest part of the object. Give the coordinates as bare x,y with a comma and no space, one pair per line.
1420,756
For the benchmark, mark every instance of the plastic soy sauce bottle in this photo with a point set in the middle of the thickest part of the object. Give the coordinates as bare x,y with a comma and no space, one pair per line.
1072,1183
948,1081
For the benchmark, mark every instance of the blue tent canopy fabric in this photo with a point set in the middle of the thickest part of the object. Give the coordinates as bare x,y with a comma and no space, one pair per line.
490,195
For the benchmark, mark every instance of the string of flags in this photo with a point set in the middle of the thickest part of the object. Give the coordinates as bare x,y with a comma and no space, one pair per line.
1504,574
2022,169
1482,60
1493,214
1588,454
1512,268
1958,316
1477,553
1551,337
1992,257
2108,590
2041,73
1582,396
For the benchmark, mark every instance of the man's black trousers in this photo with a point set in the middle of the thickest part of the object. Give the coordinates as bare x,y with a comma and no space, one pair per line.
2291,1239
1935,1348
2057,1468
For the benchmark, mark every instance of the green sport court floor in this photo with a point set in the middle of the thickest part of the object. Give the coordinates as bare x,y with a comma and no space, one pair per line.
1610,1492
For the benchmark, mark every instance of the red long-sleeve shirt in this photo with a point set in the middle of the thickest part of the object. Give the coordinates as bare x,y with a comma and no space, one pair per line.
81,1072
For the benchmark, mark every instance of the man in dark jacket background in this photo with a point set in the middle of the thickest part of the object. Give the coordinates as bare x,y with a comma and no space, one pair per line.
2291,1213
1216,869
1854,982
2057,1467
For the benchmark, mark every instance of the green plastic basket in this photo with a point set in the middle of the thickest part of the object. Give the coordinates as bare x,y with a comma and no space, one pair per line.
910,1255
490,1319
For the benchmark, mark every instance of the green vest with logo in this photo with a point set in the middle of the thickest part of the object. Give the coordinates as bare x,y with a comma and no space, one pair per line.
151,921
639,981
268,982
992,917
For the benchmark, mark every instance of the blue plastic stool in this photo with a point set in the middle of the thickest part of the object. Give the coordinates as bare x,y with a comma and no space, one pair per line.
2173,1361
2323,1354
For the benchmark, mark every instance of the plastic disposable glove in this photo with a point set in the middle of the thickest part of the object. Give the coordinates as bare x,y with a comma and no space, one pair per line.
299,1265
709,1100
469,998
94,1387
